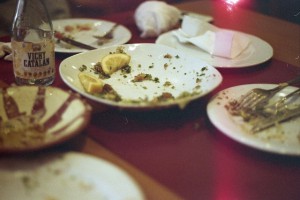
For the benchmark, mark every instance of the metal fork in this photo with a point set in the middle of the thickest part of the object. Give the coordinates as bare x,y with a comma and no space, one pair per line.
283,103
257,97
280,111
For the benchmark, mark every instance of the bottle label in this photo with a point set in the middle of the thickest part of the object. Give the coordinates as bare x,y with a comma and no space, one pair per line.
33,60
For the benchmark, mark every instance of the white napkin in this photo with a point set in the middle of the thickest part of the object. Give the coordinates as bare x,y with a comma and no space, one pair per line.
216,41
5,51
156,17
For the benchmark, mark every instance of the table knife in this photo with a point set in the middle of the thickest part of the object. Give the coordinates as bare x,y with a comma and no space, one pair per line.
60,36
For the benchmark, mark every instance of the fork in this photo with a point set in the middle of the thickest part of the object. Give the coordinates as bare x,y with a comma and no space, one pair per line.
257,97
283,103
280,111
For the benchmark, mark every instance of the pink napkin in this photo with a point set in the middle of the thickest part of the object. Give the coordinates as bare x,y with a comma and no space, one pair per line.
223,43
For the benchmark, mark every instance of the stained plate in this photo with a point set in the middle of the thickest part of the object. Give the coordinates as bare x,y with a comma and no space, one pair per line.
83,31
68,176
185,77
33,117
257,52
282,139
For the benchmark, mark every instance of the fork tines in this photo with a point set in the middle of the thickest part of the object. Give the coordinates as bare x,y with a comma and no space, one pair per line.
262,114
253,100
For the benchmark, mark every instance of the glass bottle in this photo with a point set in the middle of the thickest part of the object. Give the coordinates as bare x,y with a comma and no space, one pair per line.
33,44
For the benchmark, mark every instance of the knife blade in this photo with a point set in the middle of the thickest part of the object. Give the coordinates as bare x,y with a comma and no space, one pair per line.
281,112
62,37
272,122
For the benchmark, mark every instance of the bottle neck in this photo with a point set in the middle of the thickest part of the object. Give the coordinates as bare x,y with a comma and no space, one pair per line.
31,17
33,13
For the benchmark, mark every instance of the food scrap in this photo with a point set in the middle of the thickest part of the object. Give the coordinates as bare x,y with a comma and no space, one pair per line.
144,77
77,28
119,61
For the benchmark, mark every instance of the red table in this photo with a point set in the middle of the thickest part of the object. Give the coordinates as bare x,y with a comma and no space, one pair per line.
183,151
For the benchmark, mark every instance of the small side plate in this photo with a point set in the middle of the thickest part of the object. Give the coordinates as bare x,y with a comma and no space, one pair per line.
33,117
282,139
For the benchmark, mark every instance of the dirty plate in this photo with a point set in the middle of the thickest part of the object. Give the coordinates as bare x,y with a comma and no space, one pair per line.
283,138
83,30
67,176
171,71
33,117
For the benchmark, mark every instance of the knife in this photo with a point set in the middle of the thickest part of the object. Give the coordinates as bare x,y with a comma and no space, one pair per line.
281,116
272,122
60,36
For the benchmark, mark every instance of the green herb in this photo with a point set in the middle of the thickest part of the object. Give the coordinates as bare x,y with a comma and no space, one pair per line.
83,68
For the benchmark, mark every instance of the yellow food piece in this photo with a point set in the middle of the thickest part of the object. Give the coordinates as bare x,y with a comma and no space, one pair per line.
90,83
114,62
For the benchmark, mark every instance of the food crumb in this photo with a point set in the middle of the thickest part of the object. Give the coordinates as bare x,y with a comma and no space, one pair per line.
168,56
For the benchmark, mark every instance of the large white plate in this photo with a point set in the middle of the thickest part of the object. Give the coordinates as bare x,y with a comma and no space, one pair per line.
284,139
98,27
67,176
185,73
257,52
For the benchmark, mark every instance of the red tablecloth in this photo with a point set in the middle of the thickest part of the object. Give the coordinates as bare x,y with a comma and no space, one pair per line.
182,150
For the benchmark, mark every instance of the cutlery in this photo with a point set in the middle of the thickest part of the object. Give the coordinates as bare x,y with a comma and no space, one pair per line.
62,37
267,123
283,103
107,36
257,97
280,111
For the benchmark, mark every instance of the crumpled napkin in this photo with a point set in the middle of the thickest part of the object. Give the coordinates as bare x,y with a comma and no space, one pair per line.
155,17
6,51
215,41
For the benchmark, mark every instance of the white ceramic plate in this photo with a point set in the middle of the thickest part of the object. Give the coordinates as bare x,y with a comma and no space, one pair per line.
257,52
62,115
97,27
284,139
67,176
182,72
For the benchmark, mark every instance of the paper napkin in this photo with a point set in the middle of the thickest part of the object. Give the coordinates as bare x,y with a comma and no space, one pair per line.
214,40
155,17
5,51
